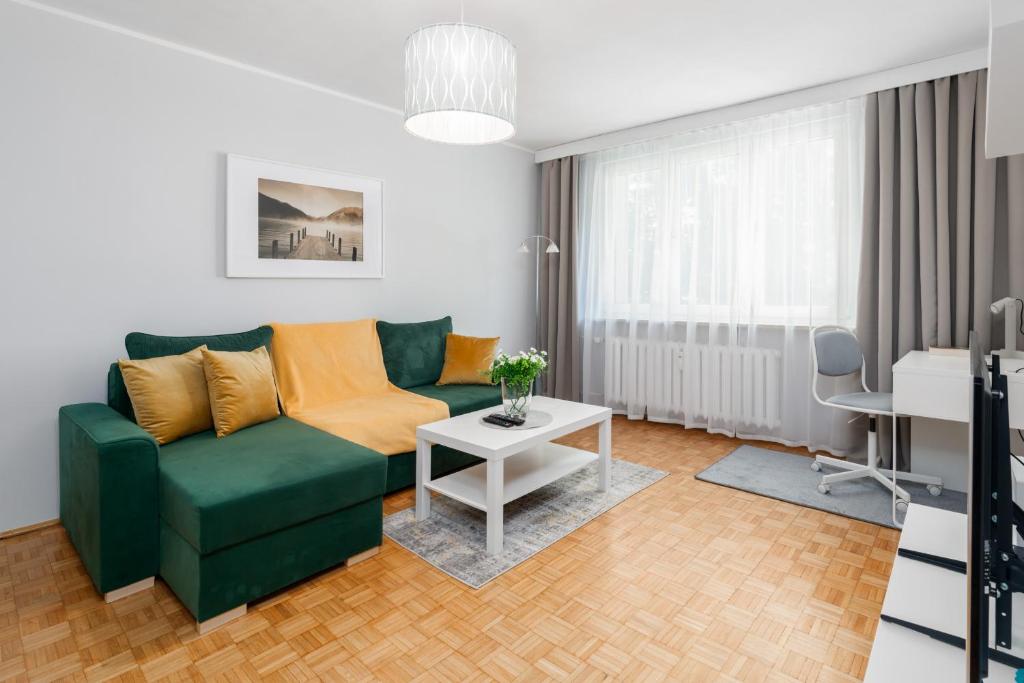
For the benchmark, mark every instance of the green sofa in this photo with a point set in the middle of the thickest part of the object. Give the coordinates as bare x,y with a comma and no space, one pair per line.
228,520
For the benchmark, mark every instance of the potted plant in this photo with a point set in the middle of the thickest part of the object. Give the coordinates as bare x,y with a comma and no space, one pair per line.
516,375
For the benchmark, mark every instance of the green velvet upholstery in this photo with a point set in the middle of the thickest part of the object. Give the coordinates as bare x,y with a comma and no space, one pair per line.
462,398
108,494
117,392
141,346
413,352
219,492
226,521
211,584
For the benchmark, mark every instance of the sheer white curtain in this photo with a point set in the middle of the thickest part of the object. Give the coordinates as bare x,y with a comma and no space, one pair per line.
704,259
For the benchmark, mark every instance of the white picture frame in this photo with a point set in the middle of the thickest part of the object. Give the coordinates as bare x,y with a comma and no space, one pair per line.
248,255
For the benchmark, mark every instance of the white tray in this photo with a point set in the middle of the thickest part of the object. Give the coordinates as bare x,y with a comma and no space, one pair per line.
534,419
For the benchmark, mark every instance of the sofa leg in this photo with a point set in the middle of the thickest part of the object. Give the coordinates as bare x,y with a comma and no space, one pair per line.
365,555
205,627
130,589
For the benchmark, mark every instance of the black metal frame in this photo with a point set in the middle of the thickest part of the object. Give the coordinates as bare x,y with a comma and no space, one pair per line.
1004,658
979,515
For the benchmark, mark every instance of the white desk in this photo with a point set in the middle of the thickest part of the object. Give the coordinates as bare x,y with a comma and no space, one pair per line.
935,390
932,597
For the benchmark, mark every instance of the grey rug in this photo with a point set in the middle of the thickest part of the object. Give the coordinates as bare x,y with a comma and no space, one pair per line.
789,477
453,538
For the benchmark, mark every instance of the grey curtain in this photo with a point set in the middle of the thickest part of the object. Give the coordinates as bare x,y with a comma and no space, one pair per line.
942,224
558,320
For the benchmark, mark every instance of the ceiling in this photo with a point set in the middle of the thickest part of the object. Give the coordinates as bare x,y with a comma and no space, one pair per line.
585,66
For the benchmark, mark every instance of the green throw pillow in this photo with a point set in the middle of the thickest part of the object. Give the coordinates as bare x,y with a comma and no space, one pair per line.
413,352
141,346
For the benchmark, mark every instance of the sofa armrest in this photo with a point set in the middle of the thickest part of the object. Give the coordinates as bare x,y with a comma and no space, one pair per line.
108,494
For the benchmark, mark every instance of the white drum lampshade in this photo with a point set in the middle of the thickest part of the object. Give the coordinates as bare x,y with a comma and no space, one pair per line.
460,84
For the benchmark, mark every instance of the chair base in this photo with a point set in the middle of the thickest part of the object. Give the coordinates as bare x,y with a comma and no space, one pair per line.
900,497
853,470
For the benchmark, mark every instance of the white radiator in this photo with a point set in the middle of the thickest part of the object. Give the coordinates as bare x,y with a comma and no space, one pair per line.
740,385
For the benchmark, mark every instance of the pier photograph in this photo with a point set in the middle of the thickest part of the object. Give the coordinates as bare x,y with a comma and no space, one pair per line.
309,222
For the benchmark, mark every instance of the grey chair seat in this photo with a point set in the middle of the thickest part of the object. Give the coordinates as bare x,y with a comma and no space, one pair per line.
864,401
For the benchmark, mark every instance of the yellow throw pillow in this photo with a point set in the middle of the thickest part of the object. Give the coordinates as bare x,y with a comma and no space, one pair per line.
242,389
169,394
467,360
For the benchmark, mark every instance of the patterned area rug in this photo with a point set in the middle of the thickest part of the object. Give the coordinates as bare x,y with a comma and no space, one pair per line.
453,538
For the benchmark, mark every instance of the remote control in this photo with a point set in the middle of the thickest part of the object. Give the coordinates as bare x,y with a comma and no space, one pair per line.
515,421
494,420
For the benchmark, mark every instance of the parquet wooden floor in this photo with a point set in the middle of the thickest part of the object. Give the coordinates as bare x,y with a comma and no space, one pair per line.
684,581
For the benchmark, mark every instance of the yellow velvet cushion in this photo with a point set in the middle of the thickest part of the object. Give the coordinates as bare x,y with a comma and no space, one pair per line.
467,360
242,389
169,394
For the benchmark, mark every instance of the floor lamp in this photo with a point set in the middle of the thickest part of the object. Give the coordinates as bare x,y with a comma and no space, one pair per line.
524,248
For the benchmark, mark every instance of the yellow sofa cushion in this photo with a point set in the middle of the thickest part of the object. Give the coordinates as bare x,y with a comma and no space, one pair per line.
467,360
332,376
169,395
241,387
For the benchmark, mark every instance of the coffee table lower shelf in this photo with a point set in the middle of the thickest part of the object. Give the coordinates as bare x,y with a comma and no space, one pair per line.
524,472
516,462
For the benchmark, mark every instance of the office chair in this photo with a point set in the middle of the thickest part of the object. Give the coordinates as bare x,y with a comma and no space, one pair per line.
836,353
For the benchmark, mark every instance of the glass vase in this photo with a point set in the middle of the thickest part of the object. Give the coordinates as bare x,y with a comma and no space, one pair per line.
515,398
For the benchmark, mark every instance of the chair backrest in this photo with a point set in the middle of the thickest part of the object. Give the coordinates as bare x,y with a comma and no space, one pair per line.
837,352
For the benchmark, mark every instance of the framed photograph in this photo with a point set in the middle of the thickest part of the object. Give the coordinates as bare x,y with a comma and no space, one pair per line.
290,221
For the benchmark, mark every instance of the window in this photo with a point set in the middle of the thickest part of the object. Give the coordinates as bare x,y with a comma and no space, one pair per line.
756,221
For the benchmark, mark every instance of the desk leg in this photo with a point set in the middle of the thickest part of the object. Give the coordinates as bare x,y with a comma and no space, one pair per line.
495,506
895,467
604,451
422,478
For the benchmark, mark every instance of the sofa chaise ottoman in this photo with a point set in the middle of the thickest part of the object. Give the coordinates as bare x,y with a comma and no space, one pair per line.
228,520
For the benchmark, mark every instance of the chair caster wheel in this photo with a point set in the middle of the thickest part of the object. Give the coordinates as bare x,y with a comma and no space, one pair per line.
901,505
824,488
816,466
935,489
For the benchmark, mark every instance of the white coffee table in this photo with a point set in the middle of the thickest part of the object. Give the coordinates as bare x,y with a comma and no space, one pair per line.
517,461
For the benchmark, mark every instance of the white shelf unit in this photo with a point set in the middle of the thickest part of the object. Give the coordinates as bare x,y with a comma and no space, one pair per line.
933,597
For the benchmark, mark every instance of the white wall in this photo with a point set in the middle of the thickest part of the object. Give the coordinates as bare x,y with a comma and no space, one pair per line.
112,194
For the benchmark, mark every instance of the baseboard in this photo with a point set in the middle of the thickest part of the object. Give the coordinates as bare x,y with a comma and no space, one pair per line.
28,529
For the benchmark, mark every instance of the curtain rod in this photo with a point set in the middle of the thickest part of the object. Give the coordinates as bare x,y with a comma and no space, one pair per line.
684,145
820,94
